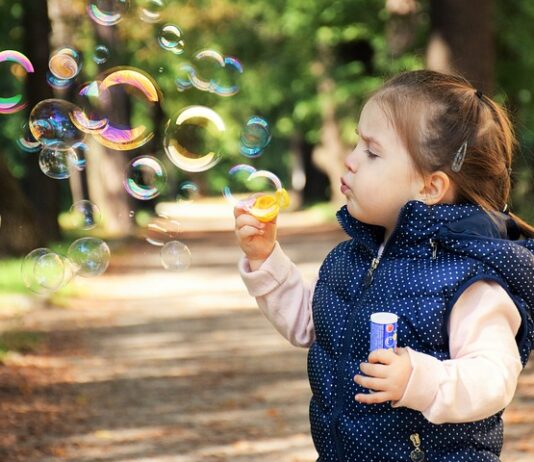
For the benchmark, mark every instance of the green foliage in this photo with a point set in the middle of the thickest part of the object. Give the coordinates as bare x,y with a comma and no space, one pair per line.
10,279
19,341
287,49
515,67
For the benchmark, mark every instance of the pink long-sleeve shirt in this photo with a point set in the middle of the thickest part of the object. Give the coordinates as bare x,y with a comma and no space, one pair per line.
480,378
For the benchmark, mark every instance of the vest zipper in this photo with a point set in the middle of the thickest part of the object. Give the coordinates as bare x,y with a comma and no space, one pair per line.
417,455
345,347
434,246
374,265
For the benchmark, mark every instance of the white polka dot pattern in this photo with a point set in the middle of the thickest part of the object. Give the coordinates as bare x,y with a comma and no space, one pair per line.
420,285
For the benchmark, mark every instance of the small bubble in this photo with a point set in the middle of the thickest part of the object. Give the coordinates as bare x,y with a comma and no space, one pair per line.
175,256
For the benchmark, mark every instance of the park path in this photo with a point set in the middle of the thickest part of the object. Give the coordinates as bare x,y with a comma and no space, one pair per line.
155,366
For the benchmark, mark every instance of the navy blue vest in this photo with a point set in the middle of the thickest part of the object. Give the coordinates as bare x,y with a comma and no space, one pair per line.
433,255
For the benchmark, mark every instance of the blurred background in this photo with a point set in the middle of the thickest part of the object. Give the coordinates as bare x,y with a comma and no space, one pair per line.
152,360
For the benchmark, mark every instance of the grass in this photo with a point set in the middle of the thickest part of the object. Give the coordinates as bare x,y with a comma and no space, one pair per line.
20,342
10,273
10,278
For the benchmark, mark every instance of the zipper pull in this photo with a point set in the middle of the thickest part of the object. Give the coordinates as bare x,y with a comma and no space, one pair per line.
369,276
434,246
417,455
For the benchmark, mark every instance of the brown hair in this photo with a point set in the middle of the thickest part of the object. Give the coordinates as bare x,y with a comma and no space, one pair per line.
435,114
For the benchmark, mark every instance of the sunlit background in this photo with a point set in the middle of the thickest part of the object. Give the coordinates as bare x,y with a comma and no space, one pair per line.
129,129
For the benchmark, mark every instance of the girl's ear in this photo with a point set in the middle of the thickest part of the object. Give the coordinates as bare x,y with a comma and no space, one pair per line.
437,188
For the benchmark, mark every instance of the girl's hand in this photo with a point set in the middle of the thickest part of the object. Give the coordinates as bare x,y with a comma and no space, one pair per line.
387,374
255,238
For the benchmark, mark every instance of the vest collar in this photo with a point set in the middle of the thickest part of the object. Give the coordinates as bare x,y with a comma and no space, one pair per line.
418,222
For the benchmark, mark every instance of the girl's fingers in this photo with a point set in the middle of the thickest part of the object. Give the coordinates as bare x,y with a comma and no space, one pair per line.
249,231
248,220
370,382
372,398
374,370
382,356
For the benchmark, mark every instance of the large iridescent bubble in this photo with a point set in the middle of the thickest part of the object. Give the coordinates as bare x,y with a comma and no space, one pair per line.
51,125
193,138
122,138
13,103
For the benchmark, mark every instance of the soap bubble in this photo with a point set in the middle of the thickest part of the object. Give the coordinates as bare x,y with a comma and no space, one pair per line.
107,12
255,137
183,80
266,194
215,73
56,163
145,178
101,54
65,63
85,215
20,66
239,176
26,142
51,125
80,149
170,39
161,230
150,10
88,115
193,138
188,192
175,256
90,256
227,85
58,84
44,271
130,79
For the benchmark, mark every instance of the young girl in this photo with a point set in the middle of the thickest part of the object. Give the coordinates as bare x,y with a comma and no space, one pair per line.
431,240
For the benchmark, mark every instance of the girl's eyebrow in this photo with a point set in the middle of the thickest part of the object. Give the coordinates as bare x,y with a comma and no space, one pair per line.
368,139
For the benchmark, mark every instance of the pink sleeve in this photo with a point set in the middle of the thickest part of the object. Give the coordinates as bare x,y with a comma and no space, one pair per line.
481,377
282,296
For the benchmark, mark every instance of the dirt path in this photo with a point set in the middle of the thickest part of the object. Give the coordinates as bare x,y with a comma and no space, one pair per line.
158,366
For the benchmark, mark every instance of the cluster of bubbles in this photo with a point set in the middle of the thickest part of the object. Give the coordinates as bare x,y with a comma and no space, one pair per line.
162,232
57,129
44,271
211,72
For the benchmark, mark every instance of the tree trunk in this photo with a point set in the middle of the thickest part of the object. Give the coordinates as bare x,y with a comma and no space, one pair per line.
329,155
42,192
106,167
402,26
18,229
462,40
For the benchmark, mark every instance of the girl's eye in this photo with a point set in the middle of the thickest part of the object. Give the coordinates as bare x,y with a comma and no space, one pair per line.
370,154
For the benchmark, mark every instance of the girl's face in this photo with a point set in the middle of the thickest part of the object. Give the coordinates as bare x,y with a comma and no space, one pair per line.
380,176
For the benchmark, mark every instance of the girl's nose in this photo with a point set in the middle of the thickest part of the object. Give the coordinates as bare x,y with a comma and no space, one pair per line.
350,161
